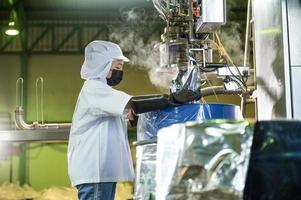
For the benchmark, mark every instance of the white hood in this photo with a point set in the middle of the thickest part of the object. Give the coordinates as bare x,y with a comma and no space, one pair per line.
98,59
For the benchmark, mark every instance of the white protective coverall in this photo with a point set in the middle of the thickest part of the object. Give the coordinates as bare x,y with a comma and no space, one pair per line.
98,149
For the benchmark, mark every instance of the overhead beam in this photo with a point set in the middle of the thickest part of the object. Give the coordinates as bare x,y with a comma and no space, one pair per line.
97,34
85,32
39,38
67,37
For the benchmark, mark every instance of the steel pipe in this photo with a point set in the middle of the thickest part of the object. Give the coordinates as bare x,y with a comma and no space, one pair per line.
21,124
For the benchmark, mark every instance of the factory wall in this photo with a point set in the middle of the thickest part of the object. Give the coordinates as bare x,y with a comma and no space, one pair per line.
9,72
46,163
62,84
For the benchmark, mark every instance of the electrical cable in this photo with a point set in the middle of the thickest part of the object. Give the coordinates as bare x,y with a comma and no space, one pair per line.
223,53
227,56
237,82
203,100
209,82
241,82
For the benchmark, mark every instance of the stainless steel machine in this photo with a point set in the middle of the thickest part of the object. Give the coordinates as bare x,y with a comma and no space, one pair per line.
191,46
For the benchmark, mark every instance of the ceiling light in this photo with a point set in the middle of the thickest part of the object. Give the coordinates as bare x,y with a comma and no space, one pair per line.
12,29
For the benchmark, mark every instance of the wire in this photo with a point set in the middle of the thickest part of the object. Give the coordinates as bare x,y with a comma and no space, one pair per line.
241,82
209,82
204,83
227,56
239,79
224,53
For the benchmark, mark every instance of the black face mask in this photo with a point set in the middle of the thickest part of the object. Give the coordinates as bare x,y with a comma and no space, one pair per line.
116,77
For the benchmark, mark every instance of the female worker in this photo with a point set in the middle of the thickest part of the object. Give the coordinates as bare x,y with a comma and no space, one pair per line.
98,150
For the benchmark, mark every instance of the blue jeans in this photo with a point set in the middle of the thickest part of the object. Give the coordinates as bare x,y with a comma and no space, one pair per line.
96,191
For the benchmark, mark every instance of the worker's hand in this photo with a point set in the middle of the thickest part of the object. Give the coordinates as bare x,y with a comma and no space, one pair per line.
184,96
133,118
129,114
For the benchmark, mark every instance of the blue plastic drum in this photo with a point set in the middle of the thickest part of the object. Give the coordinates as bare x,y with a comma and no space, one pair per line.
149,123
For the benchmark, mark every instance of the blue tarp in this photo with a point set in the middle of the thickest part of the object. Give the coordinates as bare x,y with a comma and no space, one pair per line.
149,123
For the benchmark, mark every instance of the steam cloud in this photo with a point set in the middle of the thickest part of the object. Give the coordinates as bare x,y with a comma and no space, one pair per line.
137,38
231,39
232,33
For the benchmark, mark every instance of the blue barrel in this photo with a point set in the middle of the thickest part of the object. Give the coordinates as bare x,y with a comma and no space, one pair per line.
149,123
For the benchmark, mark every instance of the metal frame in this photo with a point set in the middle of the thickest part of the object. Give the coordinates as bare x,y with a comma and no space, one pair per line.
60,37
53,38
36,135
286,58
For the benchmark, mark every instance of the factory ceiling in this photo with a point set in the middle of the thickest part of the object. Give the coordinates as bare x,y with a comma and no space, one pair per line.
72,9
83,9
65,26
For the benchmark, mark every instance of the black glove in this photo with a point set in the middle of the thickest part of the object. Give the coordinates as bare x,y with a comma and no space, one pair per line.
184,96
142,104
